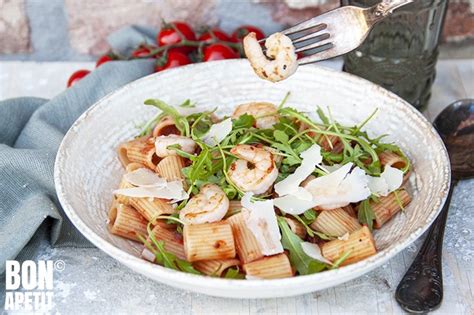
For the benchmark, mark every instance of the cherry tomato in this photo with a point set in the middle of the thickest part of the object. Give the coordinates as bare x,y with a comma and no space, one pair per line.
218,33
219,52
172,60
242,31
76,76
103,59
169,36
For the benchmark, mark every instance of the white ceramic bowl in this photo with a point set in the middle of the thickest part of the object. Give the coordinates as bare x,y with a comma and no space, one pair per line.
87,169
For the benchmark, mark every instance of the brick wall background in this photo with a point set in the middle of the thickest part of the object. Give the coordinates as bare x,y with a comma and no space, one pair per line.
76,29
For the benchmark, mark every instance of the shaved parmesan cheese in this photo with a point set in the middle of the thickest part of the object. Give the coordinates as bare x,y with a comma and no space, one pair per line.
339,188
391,179
313,251
250,277
331,168
310,159
144,177
151,185
261,220
173,190
295,203
217,132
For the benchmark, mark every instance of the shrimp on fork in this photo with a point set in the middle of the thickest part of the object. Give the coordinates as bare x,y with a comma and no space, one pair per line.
265,113
255,170
280,60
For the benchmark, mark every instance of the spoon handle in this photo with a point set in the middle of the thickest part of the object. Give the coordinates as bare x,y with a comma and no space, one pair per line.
421,289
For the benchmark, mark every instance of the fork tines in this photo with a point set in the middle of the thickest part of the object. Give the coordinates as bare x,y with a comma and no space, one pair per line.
309,37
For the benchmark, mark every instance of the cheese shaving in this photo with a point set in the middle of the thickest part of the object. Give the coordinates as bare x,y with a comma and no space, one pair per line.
151,185
217,132
390,180
261,220
313,251
144,177
339,188
310,159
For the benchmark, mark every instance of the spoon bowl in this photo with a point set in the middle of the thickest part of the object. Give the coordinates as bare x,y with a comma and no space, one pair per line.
455,124
421,289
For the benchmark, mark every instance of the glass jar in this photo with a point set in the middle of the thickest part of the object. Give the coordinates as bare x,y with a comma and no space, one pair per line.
401,51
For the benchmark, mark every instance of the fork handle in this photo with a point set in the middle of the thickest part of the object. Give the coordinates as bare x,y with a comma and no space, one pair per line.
387,7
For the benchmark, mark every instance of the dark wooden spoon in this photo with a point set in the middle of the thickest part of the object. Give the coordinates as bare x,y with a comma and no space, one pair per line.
421,289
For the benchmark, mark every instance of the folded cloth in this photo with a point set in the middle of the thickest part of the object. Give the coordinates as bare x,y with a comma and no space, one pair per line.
31,130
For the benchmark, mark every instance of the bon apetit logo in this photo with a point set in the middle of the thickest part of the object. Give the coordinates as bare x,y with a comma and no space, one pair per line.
29,285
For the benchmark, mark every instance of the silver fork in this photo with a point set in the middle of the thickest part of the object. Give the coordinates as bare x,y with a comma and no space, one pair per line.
339,31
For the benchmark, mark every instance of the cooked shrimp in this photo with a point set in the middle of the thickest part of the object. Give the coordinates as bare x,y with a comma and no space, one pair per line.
210,205
255,170
266,114
163,142
281,62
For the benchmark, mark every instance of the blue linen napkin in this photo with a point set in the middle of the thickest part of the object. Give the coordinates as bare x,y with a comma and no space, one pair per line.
31,130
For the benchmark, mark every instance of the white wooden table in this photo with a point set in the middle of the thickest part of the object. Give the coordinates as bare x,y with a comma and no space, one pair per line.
94,283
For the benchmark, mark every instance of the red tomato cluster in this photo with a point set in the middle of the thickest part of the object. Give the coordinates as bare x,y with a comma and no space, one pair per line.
177,44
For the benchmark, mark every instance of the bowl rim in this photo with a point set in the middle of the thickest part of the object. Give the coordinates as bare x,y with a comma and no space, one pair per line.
170,276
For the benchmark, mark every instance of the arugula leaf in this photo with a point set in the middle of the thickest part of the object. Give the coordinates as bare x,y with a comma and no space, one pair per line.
322,116
340,260
365,214
291,242
310,216
244,121
181,122
187,103
234,273
280,136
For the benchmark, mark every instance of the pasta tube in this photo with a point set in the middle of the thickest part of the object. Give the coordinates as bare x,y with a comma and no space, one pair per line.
208,241
151,208
173,241
245,242
392,159
235,206
122,198
296,227
170,168
126,222
215,267
166,126
271,267
358,246
350,211
141,150
335,222
388,206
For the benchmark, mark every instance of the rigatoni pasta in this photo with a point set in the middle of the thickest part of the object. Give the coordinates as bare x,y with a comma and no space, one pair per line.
126,222
386,207
358,246
215,267
173,241
258,195
335,222
271,267
141,150
245,242
208,241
